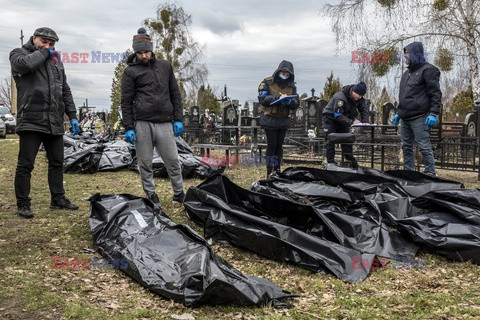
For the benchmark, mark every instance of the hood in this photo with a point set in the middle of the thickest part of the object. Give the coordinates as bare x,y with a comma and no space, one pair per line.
284,66
417,56
347,91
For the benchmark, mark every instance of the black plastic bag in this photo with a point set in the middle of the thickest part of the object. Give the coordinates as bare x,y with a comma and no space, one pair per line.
170,259
270,226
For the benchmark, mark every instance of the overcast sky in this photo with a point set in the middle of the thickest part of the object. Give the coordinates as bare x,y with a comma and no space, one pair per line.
245,41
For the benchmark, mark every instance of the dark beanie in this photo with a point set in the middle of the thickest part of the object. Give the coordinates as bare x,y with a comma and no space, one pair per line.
142,41
46,33
360,88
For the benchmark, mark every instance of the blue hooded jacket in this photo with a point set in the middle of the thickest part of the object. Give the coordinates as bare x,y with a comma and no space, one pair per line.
420,92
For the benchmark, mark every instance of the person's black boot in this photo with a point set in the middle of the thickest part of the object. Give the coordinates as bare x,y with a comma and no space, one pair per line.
269,172
179,198
25,212
154,198
63,203
354,165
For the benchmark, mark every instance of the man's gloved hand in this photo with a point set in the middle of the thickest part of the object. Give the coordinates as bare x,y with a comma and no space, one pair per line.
131,137
75,126
431,121
287,101
177,128
337,114
396,119
54,56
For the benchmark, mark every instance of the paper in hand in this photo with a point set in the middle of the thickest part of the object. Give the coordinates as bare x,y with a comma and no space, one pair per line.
283,98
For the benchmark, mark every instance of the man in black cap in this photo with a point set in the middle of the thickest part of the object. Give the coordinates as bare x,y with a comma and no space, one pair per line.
43,98
339,115
152,114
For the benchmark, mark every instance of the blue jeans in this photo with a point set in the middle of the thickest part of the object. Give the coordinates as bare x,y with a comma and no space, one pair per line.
416,131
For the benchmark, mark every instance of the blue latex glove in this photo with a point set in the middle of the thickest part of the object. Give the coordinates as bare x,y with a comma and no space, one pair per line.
396,119
54,56
75,126
287,101
177,128
431,121
130,136
337,114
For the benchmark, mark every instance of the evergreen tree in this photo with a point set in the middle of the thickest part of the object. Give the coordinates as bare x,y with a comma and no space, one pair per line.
116,90
462,103
207,100
331,87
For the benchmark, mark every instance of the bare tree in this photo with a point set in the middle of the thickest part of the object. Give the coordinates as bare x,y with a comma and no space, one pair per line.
174,42
6,93
378,24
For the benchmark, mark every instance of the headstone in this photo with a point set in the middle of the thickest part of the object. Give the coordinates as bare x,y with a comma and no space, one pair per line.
230,112
388,111
195,114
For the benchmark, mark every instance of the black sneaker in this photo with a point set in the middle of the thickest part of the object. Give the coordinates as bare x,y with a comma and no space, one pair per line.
25,212
63,203
154,198
179,197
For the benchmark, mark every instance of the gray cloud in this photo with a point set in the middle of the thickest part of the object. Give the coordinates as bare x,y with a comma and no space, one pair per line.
217,22
245,40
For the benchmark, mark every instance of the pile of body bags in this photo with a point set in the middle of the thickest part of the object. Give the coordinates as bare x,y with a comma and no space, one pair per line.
334,222
90,155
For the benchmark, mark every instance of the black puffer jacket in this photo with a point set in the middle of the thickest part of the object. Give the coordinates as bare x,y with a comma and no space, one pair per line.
343,109
420,86
43,94
150,93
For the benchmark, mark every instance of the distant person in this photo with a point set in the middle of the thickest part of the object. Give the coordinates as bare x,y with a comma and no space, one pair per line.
152,114
275,119
420,104
339,115
44,96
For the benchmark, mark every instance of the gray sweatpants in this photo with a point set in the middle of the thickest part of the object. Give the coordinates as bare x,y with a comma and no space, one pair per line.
160,136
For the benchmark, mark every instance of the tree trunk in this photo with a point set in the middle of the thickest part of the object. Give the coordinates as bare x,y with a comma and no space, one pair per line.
472,51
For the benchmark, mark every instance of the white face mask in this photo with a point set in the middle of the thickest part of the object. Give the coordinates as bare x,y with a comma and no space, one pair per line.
283,76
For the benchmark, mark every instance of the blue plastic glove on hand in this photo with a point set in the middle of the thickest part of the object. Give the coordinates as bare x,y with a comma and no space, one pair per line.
431,121
337,114
54,56
177,128
75,126
396,119
131,137
287,101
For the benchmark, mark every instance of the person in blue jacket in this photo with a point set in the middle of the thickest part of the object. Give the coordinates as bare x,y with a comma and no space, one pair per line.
420,101
275,119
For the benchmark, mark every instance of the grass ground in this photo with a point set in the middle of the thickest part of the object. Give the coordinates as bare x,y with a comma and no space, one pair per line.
31,289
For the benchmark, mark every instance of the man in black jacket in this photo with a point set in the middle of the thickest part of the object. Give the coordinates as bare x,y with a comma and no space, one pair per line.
339,115
152,114
43,98
420,104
